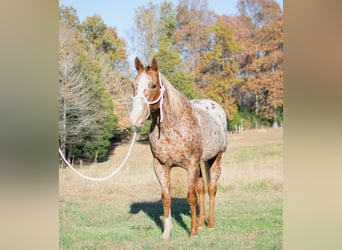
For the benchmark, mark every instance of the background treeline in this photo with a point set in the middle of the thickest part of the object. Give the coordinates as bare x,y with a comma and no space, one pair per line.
235,60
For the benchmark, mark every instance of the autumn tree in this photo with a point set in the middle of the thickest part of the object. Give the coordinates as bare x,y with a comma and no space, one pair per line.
68,17
103,38
218,69
193,17
262,62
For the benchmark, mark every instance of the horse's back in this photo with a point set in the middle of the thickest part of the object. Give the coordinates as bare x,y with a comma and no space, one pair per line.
213,122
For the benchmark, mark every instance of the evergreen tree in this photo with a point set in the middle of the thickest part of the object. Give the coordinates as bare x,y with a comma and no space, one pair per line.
87,122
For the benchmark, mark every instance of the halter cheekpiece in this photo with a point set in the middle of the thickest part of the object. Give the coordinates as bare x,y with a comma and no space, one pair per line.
160,98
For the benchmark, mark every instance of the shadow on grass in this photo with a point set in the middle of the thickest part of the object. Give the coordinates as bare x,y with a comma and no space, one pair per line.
154,210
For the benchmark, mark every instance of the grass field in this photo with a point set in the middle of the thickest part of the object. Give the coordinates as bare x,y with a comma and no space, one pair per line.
125,212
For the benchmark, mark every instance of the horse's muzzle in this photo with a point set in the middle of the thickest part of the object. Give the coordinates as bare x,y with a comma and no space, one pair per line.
139,123
139,113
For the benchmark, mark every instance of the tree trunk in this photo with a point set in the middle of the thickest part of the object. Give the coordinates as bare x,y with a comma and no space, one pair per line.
256,105
275,124
63,132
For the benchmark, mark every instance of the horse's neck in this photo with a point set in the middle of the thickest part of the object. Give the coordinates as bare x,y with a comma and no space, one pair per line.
169,117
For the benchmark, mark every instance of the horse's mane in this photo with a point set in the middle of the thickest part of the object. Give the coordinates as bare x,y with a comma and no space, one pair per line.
177,101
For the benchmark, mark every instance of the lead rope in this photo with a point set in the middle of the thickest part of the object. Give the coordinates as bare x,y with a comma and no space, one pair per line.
101,178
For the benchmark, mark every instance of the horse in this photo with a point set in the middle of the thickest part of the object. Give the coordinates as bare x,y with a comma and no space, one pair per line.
183,133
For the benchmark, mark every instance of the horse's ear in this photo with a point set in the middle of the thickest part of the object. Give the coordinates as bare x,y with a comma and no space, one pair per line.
138,64
154,64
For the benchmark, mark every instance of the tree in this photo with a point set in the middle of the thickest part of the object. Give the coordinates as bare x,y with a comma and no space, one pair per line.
95,143
262,64
145,32
168,57
193,18
155,26
109,51
74,96
218,69
68,17
105,39
87,122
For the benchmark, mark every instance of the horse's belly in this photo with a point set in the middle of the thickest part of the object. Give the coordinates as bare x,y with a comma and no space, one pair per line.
212,121
212,144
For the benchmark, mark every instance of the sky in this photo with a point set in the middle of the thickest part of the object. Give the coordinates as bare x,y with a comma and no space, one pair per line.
120,14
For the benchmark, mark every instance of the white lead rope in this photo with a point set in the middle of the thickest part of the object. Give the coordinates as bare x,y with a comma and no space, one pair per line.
101,178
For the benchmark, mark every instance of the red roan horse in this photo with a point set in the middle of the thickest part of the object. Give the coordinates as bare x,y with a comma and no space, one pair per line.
183,133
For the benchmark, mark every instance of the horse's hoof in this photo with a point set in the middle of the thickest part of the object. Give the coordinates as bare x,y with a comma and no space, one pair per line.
193,235
211,225
165,237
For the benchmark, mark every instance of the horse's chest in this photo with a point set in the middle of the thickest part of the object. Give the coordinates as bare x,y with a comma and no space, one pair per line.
176,146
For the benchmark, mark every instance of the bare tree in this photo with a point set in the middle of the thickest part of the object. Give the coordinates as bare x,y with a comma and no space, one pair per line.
145,32
74,94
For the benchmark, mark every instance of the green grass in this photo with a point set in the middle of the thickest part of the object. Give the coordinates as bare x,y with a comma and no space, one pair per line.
254,153
243,223
126,213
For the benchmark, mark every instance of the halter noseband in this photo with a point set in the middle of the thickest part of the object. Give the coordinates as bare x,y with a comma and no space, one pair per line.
160,98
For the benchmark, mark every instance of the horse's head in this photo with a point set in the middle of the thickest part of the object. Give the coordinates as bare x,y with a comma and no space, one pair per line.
148,92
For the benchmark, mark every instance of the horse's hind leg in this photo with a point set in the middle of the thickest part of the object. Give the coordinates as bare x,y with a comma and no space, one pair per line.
214,174
163,174
201,192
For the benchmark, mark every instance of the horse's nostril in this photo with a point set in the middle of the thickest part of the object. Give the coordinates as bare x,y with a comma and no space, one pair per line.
138,124
136,121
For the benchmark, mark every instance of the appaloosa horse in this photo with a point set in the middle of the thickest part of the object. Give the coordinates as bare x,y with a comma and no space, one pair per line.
183,133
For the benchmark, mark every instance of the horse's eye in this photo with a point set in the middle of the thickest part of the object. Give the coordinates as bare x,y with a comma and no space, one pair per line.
153,86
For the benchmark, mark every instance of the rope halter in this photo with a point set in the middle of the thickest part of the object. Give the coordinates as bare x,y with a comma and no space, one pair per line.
148,103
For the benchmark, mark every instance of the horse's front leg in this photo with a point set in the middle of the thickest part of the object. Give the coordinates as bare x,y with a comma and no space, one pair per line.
163,174
193,175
